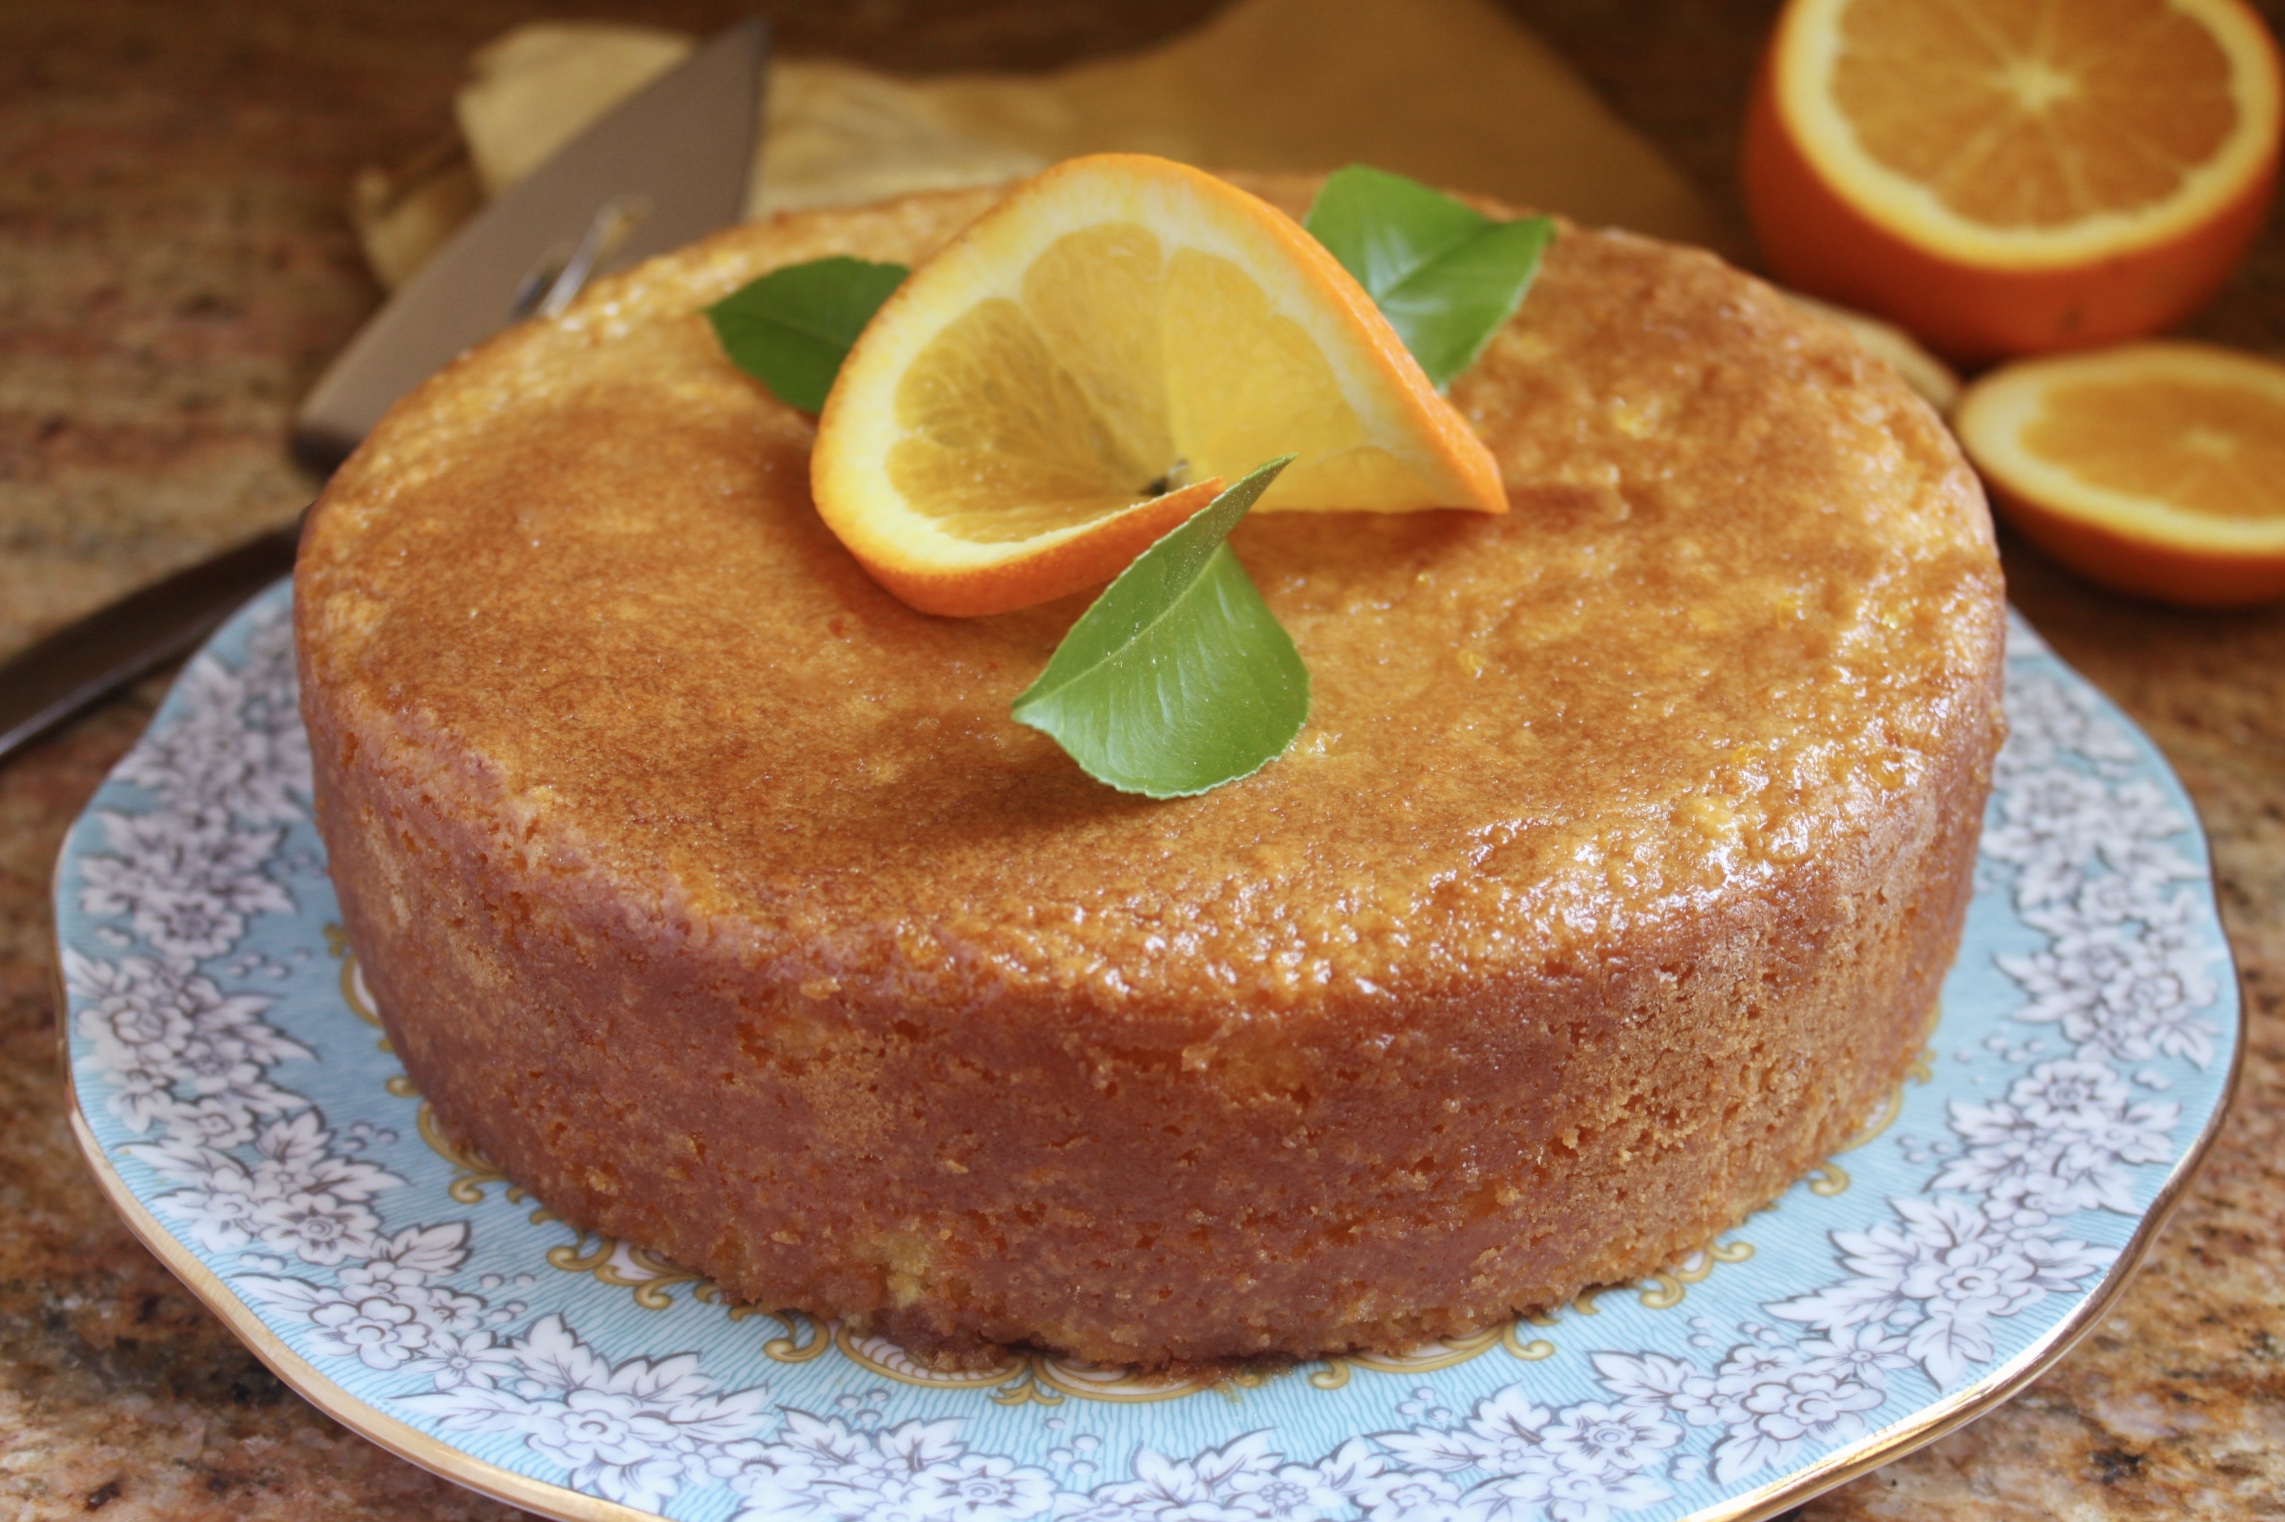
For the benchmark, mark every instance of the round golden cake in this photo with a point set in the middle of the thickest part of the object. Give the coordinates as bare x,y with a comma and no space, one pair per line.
713,894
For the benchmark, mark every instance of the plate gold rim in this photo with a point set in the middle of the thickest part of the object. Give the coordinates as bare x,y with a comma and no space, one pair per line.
566,1505
1950,1413
1942,1416
303,1378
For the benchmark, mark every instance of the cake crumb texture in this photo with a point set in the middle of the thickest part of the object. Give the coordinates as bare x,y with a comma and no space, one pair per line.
712,893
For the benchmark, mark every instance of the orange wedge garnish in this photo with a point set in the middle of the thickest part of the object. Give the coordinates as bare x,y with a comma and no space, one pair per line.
1082,368
2154,468
2013,176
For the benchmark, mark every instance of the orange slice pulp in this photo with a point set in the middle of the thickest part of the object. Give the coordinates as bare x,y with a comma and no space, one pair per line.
1085,366
2155,468
2013,176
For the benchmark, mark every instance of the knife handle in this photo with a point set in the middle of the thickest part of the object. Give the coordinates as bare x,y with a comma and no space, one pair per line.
82,663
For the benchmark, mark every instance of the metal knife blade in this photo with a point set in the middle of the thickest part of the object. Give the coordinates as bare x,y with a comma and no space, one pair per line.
668,146
81,662
664,167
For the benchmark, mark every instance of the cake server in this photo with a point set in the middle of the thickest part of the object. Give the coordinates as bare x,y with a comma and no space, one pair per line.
668,165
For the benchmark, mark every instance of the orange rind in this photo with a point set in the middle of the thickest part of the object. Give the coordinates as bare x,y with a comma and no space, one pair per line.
2012,177
1084,366
2156,469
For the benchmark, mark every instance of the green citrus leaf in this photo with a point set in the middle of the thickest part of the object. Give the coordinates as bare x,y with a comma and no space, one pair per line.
1178,678
791,329
1444,275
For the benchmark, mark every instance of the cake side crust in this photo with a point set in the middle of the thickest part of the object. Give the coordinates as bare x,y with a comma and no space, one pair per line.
959,1185
1185,1082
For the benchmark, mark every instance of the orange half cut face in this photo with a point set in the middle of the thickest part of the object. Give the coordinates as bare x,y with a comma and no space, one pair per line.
2005,176
2156,469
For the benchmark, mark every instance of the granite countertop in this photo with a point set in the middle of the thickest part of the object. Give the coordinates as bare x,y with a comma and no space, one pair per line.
175,268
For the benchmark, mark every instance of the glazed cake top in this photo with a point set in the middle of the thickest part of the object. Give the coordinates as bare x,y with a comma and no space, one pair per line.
1746,594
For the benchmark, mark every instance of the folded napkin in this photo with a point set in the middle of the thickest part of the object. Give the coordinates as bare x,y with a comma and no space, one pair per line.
1452,92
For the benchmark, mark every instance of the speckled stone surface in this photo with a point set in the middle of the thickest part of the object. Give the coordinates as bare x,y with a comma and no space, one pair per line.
175,267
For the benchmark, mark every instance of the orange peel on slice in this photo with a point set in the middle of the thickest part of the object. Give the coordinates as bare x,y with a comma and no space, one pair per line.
1084,366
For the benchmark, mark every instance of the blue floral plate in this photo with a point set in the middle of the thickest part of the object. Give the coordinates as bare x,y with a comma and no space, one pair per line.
243,1111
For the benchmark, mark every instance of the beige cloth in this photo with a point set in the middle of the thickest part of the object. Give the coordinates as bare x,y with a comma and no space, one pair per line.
1452,92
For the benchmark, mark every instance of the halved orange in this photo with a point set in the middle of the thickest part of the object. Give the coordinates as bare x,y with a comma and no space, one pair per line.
2153,468
2013,176
1081,369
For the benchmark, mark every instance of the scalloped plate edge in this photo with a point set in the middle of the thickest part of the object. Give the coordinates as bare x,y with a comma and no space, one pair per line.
566,1505
1949,1414
377,1427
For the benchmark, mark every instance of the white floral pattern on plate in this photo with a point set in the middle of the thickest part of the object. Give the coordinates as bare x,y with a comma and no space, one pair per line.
2085,1052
